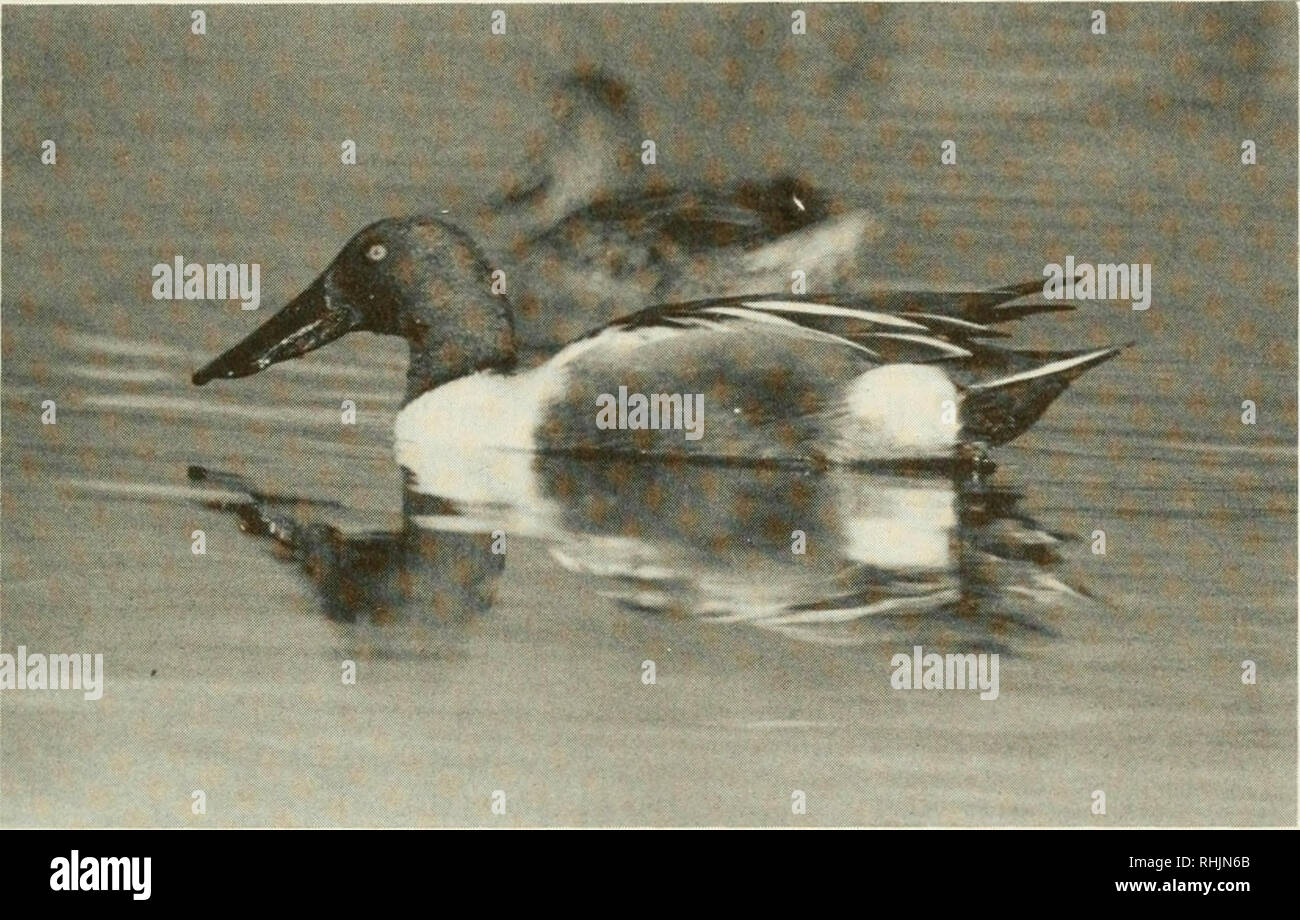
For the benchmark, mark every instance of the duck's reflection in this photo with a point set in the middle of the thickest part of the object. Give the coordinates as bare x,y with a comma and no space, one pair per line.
408,591
839,557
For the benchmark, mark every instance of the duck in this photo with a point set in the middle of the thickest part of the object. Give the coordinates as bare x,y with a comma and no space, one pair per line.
590,227
885,378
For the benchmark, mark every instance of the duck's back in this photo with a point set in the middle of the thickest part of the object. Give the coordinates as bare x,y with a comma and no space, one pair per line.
606,262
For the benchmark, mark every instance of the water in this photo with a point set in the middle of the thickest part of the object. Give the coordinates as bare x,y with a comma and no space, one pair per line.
1119,672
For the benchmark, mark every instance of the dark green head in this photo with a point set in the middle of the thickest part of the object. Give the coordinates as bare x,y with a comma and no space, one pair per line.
416,277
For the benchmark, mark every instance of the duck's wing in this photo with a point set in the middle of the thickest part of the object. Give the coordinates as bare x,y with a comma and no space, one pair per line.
883,336
813,378
960,318
744,215
1006,390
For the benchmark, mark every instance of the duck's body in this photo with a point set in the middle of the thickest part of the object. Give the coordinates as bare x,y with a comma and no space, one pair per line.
736,391
889,377
474,440
738,381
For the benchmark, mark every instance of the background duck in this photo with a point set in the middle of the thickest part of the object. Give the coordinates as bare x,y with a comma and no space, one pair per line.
848,380
587,235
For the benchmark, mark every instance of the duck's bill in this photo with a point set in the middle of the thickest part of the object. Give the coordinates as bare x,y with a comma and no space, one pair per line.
309,321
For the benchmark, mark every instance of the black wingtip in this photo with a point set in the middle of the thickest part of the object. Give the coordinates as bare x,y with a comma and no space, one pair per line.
997,411
1022,310
986,306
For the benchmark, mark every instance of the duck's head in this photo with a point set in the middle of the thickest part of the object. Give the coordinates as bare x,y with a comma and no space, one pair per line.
590,153
598,126
419,278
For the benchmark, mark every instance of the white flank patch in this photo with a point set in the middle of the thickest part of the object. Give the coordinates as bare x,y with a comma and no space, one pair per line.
899,412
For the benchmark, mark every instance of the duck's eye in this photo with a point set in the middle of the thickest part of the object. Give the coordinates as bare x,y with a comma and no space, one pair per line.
376,252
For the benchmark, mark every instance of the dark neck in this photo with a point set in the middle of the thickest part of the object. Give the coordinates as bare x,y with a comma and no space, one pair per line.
427,371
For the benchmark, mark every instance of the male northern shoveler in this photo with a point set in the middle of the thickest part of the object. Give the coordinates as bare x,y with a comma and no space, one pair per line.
588,233
887,377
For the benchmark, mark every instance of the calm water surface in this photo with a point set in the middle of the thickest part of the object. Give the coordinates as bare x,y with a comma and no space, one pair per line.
1118,672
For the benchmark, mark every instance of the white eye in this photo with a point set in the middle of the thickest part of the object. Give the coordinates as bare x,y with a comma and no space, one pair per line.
376,252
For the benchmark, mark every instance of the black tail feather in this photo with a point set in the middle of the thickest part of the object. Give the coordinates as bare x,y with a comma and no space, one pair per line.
999,410
1021,310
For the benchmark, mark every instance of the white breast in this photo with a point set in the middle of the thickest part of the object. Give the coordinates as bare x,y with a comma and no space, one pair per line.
471,440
